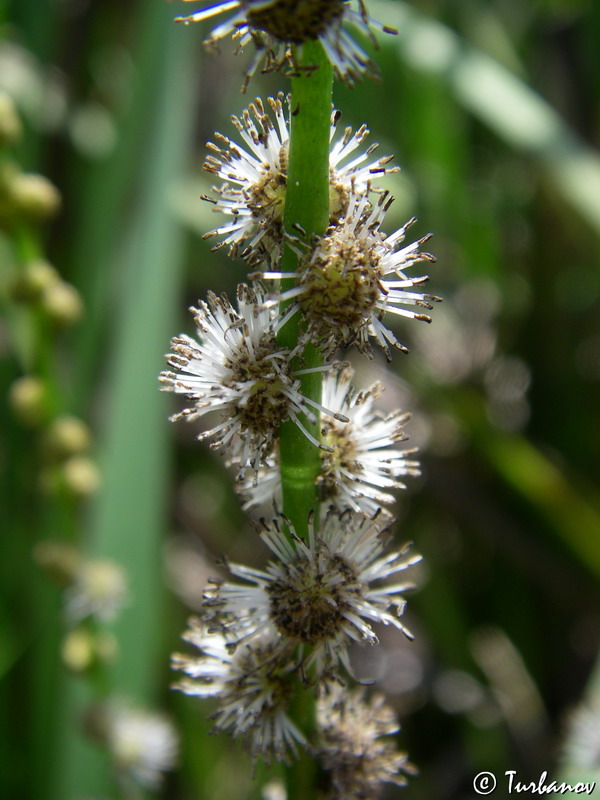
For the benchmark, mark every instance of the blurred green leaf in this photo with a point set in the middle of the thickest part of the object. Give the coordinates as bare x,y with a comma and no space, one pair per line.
129,521
501,100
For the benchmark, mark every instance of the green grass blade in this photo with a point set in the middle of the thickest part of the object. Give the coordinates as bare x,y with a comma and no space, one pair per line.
129,520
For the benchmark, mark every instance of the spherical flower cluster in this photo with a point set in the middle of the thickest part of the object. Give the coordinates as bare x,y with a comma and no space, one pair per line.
237,368
353,276
254,178
141,744
364,463
361,463
252,683
295,619
355,744
99,589
275,26
322,593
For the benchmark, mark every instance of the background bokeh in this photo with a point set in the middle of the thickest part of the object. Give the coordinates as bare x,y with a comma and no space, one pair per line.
493,111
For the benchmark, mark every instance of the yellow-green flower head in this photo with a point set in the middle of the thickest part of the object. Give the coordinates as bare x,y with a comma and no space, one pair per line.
353,275
254,178
363,463
274,26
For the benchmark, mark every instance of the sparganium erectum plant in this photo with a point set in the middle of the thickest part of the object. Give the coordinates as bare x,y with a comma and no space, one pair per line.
304,208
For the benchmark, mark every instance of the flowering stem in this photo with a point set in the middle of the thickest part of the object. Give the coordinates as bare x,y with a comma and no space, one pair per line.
307,205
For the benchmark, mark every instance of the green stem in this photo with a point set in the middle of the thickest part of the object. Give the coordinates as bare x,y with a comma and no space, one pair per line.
35,346
34,338
307,205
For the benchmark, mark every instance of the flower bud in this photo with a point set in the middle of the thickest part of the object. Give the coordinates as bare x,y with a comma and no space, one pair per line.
34,196
35,278
63,304
78,650
82,649
81,476
67,436
99,590
28,398
77,476
10,123
59,560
